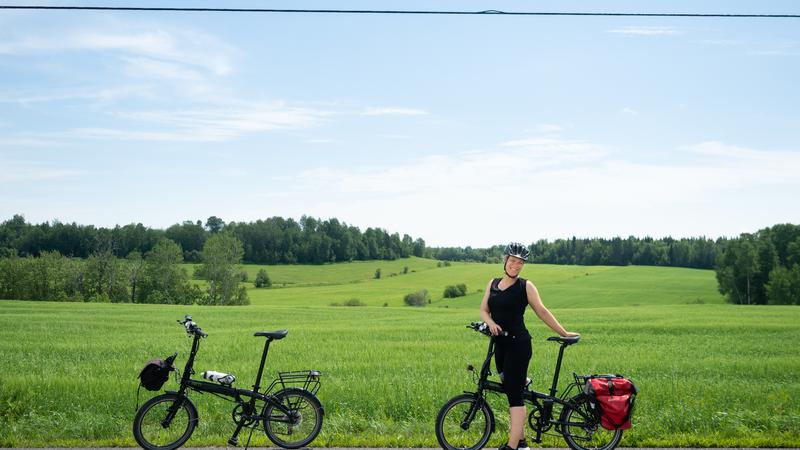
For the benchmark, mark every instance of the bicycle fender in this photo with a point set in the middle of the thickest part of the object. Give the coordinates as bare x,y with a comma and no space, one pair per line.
289,389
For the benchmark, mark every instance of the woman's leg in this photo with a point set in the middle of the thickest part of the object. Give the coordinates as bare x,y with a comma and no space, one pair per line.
516,369
517,430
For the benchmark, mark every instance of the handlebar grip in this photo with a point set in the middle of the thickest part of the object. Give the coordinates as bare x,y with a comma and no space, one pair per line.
483,328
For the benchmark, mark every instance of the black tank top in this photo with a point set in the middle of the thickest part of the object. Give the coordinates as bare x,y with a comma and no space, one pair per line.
508,307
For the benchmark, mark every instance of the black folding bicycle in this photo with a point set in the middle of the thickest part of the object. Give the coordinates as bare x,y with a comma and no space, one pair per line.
466,421
291,416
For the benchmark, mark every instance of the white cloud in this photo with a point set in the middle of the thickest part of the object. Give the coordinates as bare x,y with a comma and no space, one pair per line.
748,165
545,128
98,95
22,141
233,173
534,188
552,151
21,172
176,63
723,42
176,93
646,31
464,171
630,111
385,111
117,134
782,49
207,124
178,46
164,70
785,48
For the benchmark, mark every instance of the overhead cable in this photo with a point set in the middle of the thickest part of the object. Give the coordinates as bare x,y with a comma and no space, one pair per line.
373,11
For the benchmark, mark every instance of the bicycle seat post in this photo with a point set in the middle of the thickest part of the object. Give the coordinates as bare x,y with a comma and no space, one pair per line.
271,336
558,369
261,367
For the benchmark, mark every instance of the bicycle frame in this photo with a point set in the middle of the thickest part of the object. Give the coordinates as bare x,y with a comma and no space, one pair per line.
542,402
466,421
248,413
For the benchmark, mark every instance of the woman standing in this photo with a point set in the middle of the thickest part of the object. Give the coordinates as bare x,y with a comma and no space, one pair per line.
503,308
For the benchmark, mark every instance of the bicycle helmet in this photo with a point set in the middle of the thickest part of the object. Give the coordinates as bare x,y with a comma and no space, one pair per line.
518,250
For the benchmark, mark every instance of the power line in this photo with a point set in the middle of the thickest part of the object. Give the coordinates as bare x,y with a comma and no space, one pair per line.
371,11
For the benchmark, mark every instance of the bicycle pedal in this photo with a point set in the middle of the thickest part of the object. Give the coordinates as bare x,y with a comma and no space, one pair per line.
234,442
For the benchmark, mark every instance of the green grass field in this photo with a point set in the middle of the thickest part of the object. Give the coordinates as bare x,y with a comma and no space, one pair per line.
710,374
564,286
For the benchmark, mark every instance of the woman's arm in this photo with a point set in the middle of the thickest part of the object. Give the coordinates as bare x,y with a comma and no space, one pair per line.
544,314
486,316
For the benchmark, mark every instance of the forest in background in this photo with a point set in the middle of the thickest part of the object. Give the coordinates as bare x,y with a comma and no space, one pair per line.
754,268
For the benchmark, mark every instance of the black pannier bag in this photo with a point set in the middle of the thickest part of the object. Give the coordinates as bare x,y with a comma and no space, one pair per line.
155,373
613,397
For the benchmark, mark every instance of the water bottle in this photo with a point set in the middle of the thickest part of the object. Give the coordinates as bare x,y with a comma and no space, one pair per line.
219,377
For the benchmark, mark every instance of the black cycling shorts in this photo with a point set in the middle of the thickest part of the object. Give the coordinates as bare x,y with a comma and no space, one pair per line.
511,358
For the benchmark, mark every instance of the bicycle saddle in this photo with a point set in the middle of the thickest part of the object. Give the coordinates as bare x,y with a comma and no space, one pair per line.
280,334
565,340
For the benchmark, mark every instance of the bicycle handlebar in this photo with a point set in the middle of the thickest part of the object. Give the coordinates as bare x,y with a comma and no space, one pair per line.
191,326
483,328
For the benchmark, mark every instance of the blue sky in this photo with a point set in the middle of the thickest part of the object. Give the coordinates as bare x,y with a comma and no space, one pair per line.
462,130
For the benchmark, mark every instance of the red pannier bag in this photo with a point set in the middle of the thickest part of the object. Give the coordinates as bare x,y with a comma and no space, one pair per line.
614,395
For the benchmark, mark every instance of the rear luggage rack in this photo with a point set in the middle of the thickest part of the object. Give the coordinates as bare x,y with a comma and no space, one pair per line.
305,379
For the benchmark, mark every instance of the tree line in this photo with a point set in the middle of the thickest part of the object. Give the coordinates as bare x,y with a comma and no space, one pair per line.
153,277
699,253
85,262
270,241
313,241
762,267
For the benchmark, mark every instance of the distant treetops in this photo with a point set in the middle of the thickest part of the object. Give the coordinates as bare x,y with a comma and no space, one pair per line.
270,241
762,267
755,268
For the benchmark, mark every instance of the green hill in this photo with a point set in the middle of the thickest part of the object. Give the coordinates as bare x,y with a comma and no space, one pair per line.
560,286
710,374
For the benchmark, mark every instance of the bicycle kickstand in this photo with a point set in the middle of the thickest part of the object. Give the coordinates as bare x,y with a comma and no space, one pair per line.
247,445
234,440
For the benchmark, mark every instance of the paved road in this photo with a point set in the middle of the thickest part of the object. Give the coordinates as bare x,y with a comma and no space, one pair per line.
381,448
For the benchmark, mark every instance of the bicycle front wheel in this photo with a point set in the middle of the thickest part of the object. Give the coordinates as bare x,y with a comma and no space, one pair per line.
581,427
464,423
300,426
165,422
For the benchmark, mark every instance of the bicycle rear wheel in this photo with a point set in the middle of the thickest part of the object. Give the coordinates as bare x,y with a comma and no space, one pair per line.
453,429
581,427
303,423
165,422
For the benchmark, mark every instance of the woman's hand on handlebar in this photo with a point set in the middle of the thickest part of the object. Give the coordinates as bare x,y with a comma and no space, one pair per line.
494,329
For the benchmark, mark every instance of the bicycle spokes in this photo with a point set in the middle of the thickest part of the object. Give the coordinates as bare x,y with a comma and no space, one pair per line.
582,430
